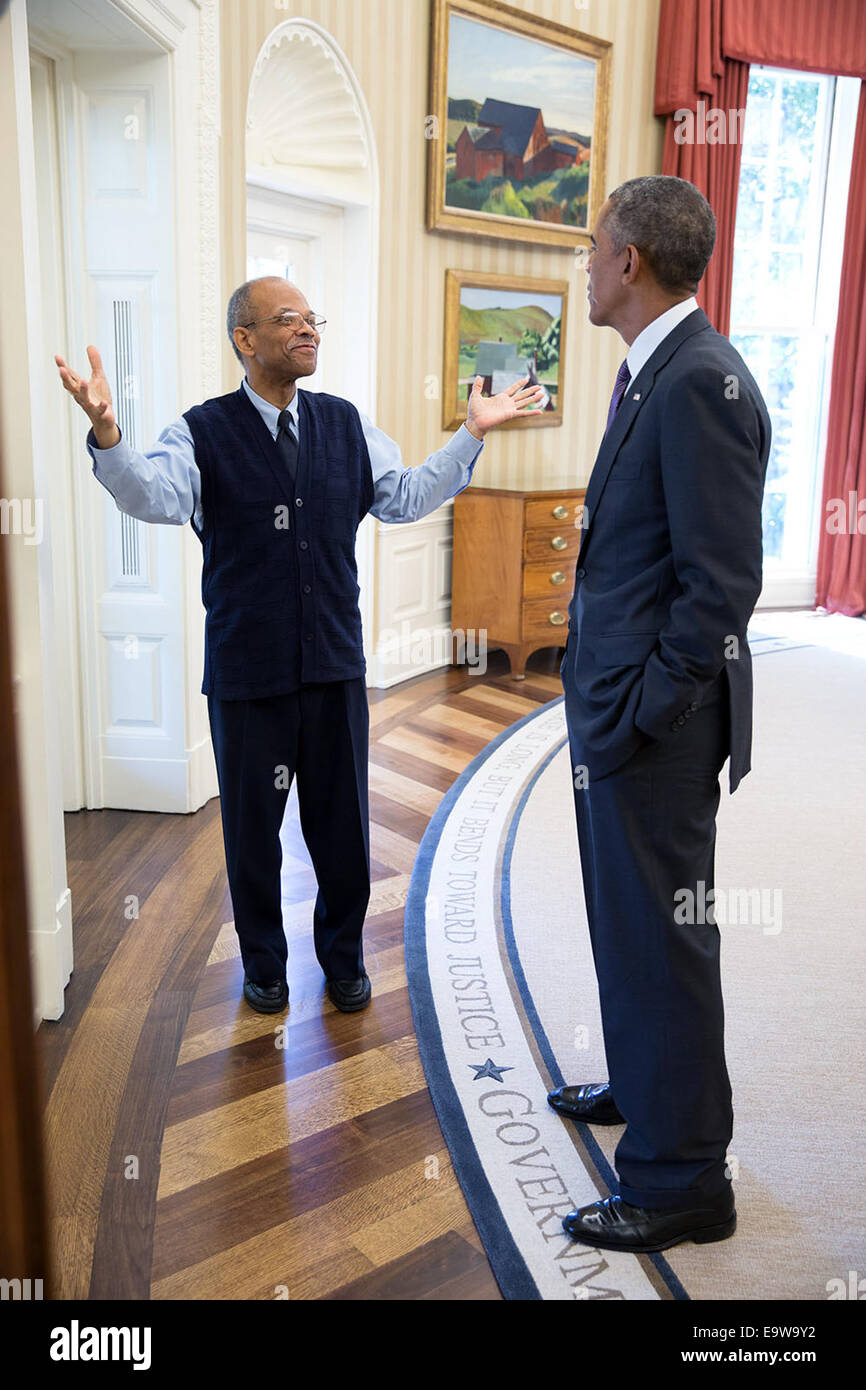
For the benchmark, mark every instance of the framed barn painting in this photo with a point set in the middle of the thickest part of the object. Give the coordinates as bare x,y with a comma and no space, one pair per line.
519,124
502,328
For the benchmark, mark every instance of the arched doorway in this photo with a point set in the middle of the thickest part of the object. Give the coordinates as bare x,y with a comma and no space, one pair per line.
313,213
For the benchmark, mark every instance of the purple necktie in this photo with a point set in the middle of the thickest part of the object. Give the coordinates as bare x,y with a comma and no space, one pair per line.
623,377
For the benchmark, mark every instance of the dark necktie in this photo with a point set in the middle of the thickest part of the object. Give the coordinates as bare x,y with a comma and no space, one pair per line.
287,446
623,377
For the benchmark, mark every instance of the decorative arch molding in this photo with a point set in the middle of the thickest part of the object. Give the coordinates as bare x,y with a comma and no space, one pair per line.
307,117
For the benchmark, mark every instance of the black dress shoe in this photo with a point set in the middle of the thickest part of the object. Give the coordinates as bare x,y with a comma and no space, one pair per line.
271,998
594,1103
613,1224
350,995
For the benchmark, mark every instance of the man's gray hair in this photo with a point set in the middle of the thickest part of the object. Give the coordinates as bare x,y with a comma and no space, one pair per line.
671,224
239,312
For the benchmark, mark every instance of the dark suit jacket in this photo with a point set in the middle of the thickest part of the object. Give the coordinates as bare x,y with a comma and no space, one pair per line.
670,562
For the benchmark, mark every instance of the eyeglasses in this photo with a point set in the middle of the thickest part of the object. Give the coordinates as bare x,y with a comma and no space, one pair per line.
290,319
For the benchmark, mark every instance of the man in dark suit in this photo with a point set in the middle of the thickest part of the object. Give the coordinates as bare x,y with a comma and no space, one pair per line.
658,693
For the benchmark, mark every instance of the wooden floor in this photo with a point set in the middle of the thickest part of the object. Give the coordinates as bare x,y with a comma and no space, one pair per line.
197,1149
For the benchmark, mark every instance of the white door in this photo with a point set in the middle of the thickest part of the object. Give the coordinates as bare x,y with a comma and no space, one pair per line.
302,241
306,241
113,117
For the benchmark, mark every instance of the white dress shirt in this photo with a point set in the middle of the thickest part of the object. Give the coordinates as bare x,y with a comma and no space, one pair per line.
650,337
163,483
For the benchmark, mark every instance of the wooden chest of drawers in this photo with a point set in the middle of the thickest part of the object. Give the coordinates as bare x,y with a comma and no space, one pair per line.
513,574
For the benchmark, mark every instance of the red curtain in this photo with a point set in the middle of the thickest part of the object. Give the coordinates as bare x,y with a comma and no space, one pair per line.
691,68
705,48
813,35
715,170
841,584
689,57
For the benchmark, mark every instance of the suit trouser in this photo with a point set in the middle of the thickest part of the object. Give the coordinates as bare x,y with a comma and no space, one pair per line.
646,833
318,734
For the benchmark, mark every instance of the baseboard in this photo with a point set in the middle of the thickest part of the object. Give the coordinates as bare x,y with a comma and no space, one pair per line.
51,962
202,783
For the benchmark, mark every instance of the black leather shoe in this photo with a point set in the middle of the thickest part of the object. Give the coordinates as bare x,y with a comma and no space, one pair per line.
613,1224
594,1103
266,999
350,995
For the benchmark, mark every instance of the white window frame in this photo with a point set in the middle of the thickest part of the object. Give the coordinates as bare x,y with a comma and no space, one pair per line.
789,581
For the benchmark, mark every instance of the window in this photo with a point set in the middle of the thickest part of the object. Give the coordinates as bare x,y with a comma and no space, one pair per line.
797,144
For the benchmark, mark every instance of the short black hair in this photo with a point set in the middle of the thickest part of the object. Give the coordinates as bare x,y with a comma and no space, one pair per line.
240,312
670,222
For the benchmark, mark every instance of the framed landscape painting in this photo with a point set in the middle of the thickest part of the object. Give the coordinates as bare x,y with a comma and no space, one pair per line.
520,111
502,328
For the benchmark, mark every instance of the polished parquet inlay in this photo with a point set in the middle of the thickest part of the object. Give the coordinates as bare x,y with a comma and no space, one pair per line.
196,1149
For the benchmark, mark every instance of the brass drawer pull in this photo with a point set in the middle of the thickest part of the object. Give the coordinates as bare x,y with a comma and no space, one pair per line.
560,512
558,619
557,577
559,542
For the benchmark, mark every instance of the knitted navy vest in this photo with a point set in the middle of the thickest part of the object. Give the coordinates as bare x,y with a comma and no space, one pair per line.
279,580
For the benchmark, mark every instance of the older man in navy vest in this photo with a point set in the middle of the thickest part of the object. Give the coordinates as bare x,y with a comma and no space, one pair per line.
275,483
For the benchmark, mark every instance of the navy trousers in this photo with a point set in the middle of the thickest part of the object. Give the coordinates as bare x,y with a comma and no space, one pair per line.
646,832
320,735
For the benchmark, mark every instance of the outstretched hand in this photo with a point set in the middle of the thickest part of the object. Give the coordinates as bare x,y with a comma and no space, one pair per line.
94,397
486,412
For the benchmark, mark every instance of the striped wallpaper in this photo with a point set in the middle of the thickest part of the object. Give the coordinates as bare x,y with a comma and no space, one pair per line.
387,43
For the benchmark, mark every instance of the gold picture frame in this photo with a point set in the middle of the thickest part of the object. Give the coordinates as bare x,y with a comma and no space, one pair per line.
497,326
494,168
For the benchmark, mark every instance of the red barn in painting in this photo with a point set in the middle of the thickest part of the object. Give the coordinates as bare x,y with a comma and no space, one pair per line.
479,152
510,142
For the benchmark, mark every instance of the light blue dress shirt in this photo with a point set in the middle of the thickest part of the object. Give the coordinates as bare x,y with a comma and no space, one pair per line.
163,483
